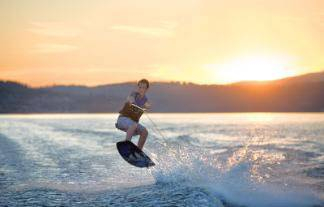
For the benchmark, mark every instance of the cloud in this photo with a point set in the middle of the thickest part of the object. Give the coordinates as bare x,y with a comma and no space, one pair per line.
165,30
56,29
53,30
52,48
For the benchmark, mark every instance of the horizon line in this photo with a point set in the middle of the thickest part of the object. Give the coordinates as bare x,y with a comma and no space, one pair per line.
156,81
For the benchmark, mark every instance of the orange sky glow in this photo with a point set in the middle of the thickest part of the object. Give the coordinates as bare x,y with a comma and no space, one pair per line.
206,42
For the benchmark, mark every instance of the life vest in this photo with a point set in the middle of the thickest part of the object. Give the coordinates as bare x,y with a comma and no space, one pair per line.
132,112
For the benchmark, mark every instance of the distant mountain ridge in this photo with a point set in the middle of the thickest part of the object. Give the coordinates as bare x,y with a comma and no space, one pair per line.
293,94
310,77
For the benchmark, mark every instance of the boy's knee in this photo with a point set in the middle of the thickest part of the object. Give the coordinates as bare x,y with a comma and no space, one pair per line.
144,132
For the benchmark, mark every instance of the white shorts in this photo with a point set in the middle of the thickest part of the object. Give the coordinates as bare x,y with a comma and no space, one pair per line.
123,123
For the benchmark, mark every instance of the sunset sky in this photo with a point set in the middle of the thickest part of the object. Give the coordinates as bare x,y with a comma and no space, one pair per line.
92,42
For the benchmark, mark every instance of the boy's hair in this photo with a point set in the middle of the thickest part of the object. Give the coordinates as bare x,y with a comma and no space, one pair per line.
145,82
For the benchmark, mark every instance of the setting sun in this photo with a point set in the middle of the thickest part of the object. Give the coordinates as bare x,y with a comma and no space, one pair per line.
205,42
254,68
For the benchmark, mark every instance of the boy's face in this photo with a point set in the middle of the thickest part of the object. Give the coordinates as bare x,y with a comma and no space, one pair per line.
142,88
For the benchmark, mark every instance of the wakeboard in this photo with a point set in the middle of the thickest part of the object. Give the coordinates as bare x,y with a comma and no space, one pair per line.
133,155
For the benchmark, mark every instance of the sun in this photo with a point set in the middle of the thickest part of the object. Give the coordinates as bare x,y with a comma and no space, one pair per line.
251,68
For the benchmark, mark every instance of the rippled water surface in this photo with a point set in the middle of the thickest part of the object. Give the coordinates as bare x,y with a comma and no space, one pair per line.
235,159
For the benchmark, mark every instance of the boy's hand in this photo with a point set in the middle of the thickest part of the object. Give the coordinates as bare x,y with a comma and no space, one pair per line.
147,105
131,98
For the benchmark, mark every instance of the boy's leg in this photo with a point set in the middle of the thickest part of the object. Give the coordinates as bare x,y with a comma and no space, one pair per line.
130,131
142,139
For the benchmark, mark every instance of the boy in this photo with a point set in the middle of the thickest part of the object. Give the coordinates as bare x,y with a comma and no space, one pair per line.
129,117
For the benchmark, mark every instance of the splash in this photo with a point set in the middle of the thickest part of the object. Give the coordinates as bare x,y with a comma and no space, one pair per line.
235,176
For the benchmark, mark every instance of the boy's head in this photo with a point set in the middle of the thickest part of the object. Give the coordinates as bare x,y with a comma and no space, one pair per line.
143,85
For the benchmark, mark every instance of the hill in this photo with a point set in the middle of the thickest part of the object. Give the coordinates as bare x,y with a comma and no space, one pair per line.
295,94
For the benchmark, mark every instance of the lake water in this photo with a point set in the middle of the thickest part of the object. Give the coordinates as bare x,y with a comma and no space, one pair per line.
219,159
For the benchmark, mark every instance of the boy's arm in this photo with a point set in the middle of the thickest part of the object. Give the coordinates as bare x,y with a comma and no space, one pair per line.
131,97
147,105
